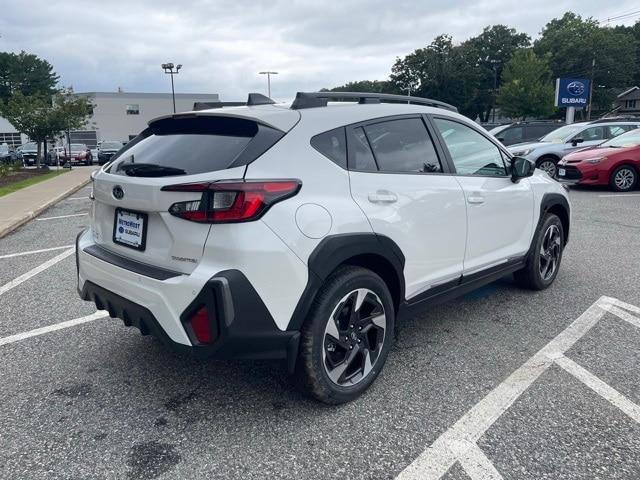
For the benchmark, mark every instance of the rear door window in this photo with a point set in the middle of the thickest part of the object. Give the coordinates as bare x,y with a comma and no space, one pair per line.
512,135
188,146
403,145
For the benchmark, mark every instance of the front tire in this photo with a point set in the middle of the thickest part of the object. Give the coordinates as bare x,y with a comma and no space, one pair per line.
623,179
544,260
345,340
549,165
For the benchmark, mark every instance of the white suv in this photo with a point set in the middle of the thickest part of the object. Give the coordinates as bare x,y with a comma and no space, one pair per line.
300,232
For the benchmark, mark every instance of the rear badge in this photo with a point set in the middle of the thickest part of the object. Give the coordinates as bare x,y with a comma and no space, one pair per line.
118,192
184,259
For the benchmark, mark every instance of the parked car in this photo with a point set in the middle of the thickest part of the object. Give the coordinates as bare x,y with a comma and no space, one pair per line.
615,163
300,233
55,156
7,154
29,153
547,152
79,153
520,132
107,149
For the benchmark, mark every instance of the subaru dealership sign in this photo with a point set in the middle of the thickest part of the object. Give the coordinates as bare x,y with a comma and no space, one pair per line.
572,92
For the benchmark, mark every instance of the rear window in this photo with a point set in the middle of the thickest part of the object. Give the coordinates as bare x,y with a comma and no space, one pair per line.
188,146
332,144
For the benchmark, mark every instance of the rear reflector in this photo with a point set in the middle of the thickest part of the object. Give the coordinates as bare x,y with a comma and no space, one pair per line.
199,323
231,201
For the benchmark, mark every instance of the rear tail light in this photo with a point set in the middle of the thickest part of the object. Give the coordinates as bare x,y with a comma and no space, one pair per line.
231,202
199,328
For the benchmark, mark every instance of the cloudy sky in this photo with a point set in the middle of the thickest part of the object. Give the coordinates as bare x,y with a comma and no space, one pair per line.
103,45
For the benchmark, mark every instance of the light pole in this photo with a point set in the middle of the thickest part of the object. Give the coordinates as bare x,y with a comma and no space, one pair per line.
268,74
408,89
169,70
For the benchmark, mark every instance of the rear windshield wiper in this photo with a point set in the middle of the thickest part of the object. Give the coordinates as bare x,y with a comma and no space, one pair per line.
149,170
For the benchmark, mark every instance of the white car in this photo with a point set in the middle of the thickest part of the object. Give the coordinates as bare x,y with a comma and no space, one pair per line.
301,231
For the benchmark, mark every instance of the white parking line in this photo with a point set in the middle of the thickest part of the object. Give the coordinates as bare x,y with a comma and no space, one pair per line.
31,252
621,195
34,271
62,216
459,443
52,328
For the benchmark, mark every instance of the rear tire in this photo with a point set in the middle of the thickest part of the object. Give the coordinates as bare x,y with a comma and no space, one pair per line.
345,340
544,260
623,179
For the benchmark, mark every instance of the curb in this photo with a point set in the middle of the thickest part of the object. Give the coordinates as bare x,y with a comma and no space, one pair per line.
31,215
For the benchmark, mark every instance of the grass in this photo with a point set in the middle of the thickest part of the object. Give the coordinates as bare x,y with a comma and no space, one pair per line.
12,187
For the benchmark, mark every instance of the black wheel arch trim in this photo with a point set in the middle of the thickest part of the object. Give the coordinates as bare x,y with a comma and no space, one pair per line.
336,250
558,204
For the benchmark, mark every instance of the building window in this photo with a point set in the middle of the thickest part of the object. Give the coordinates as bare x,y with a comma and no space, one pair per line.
629,104
133,109
11,139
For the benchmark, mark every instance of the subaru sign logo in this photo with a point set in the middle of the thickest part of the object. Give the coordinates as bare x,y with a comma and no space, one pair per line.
575,88
118,192
572,92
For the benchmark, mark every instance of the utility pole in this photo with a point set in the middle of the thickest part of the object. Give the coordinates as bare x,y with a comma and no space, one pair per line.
408,89
268,74
168,69
593,66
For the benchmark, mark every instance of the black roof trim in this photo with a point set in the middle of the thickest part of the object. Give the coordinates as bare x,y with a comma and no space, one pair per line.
258,99
320,99
616,119
197,106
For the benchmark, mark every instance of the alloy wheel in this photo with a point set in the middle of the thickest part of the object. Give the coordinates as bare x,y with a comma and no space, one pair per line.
354,337
550,251
624,178
548,166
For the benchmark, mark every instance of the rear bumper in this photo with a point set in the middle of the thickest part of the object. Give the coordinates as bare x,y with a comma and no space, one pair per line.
241,325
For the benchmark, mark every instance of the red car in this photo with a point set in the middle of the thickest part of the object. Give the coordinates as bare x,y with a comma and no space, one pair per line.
615,162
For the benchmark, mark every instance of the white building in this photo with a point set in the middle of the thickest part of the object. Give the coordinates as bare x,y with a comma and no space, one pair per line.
118,115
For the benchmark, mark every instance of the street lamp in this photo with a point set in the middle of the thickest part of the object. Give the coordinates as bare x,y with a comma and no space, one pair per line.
268,74
169,70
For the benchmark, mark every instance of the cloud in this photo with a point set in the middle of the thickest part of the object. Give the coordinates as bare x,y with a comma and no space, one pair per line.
100,46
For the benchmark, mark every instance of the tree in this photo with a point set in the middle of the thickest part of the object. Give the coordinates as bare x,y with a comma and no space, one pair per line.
372,86
574,43
41,118
527,89
27,74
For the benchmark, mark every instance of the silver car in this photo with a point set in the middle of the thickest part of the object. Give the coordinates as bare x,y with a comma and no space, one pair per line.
548,151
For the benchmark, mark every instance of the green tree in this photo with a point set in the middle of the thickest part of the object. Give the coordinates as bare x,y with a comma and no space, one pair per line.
574,43
372,86
40,117
26,74
527,89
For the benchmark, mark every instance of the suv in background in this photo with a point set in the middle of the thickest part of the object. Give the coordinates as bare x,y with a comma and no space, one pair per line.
520,132
28,153
547,152
311,228
106,150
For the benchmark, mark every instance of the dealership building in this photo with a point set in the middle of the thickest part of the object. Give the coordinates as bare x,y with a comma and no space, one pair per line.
119,115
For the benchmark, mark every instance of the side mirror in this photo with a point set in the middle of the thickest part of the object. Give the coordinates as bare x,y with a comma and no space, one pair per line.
576,141
521,168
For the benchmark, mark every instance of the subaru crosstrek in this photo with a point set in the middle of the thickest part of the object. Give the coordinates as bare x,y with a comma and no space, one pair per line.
301,231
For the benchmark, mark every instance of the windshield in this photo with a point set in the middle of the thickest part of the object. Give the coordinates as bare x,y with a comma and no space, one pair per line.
496,130
561,134
78,146
110,146
29,146
629,139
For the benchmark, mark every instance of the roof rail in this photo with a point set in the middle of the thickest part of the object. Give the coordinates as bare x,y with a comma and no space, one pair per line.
320,99
616,119
209,105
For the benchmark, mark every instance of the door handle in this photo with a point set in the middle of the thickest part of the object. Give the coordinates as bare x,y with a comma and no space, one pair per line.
383,196
475,198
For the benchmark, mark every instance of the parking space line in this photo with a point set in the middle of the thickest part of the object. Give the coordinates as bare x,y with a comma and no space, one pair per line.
52,328
31,252
34,271
627,317
605,391
62,216
476,464
437,459
621,195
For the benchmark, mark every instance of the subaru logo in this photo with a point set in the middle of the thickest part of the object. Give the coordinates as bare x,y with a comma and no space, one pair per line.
575,88
118,192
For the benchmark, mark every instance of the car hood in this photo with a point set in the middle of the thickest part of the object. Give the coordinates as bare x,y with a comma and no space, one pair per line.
602,151
107,151
527,145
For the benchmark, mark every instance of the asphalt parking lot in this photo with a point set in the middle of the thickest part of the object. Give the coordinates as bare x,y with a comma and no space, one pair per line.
503,383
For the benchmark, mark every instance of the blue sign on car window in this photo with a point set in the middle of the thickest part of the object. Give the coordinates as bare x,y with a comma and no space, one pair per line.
572,92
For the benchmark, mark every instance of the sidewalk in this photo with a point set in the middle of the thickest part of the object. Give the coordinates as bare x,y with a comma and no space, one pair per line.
19,207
